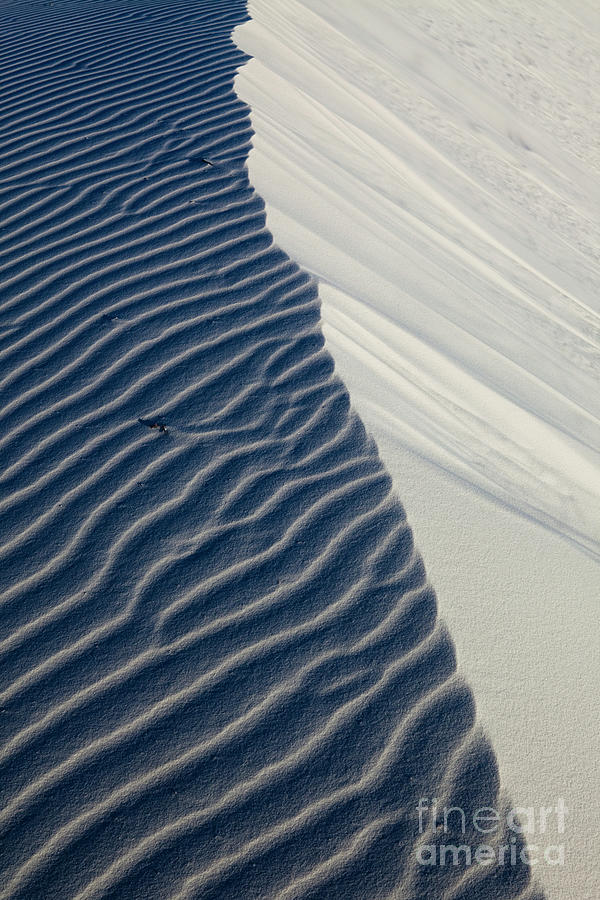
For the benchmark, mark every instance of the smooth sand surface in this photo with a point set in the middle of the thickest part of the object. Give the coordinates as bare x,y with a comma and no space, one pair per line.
222,671
436,166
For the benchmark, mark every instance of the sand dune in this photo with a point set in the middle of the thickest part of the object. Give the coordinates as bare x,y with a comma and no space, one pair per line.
222,670
436,167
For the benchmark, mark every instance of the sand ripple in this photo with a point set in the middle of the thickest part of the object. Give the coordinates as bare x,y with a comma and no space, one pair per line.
221,669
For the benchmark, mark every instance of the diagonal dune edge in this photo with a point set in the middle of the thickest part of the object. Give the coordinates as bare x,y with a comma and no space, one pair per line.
423,161
222,672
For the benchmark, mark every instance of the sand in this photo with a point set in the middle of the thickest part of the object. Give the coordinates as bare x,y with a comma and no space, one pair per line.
222,670
436,166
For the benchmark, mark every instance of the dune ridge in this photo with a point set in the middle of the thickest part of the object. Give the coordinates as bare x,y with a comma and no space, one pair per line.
222,672
436,166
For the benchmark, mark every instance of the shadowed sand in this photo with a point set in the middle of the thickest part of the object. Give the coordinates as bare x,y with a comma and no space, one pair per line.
222,673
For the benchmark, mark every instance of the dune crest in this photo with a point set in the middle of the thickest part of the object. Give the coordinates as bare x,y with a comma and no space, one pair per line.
435,165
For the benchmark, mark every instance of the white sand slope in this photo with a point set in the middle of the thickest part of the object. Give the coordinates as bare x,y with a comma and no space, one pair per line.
221,669
454,230
437,166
